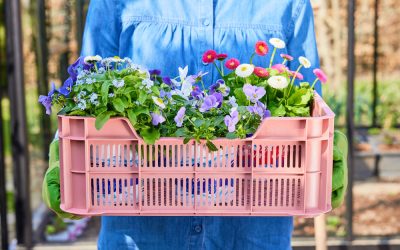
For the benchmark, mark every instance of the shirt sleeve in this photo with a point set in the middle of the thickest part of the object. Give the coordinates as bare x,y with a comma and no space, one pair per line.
102,29
302,42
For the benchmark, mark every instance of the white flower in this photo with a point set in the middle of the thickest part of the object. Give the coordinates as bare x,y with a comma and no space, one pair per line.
232,102
118,83
277,43
278,82
92,59
158,101
147,83
93,98
101,70
115,59
82,105
90,80
244,70
111,95
183,73
305,62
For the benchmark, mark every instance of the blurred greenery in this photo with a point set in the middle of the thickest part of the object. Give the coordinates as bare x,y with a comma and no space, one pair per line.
388,111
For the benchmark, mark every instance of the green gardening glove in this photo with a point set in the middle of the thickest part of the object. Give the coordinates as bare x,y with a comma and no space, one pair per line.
51,184
339,175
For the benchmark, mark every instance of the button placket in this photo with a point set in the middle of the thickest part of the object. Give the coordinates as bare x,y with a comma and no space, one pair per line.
206,22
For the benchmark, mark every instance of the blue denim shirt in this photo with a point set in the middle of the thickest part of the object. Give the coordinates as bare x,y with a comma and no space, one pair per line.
168,34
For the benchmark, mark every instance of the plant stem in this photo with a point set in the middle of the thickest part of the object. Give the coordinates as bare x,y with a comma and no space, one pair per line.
222,68
251,58
272,57
293,78
315,81
284,61
218,69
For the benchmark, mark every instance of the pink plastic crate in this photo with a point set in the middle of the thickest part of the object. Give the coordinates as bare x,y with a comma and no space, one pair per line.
285,168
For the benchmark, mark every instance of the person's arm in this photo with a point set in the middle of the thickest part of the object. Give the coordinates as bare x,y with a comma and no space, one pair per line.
102,29
101,37
301,39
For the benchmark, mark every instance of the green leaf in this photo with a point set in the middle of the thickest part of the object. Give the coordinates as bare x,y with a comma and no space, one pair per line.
186,140
77,112
211,146
198,122
231,135
181,132
142,97
104,91
131,116
300,97
141,110
241,98
218,120
101,119
277,111
155,90
178,98
150,135
118,105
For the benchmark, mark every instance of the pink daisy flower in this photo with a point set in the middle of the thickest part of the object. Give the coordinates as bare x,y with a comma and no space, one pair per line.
261,48
320,75
287,57
261,72
279,67
221,56
209,56
232,63
297,75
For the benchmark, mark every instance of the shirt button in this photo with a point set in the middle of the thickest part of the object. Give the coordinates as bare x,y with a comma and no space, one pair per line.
206,22
198,228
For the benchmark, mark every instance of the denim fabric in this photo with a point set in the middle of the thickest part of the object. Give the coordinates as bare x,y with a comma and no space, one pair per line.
167,34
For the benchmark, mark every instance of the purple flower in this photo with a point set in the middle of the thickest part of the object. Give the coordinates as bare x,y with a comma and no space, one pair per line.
231,120
224,89
258,109
180,116
157,119
154,73
47,100
267,113
209,103
197,93
67,87
78,64
199,76
164,94
167,80
253,93
213,88
219,98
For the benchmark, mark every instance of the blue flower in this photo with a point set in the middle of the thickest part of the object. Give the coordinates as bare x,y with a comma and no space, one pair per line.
67,87
211,101
231,120
154,73
167,80
46,101
78,65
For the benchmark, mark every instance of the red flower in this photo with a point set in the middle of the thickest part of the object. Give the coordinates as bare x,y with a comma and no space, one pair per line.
261,72
232,63
297,75
209,56
221,56
261,48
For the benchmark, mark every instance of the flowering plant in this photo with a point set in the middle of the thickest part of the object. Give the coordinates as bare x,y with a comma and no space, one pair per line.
156,105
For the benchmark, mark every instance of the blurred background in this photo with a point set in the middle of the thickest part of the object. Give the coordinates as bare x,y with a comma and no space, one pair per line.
359,46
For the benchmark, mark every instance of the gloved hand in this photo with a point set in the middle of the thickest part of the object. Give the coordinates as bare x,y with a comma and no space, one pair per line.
339,175
51,184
